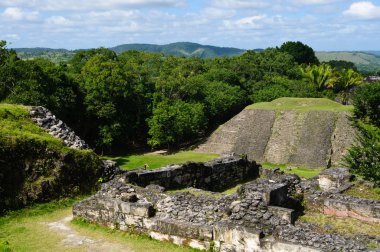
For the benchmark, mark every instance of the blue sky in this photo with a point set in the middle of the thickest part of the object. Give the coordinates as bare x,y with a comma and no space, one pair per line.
72,24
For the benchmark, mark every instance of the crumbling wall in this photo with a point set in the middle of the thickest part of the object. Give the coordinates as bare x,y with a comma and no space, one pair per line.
257,217
216,175
45,119
330,200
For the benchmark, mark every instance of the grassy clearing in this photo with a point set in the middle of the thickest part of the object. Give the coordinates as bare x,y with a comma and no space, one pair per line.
364,191
347,226
302,104
15,123
197,192
133,241
300,171
26,230
155,160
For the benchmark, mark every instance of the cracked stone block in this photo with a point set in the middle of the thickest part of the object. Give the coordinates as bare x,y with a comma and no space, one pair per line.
334,178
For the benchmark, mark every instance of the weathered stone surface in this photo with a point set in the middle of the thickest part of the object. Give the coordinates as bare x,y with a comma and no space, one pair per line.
354,207
255,218
342,137
334,178
314,145
285,136
323,242
309,138
215,175
45,119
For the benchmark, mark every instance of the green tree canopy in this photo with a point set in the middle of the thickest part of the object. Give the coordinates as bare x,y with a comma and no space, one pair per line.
303,54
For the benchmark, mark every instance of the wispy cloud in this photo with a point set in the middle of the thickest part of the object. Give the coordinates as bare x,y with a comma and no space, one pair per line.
18,14
54,5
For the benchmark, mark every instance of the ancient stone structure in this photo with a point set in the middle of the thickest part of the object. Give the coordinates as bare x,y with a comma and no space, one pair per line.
304,138
331,179
216,175
259,216
330,201
45,119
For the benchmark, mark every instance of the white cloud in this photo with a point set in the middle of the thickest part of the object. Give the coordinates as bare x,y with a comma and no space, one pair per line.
314,2
12,36
18,14
252,22
363,10
54,5
238,4
59,21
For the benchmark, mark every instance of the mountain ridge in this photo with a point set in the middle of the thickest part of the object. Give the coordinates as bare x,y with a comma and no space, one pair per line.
366,61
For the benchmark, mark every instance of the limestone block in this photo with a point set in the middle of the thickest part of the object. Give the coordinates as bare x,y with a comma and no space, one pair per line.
237,237
333,178
183,229
137,209
283,213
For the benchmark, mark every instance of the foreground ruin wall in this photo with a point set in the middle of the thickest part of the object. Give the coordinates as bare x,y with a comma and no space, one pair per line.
258,217
330,200
309,138
216,175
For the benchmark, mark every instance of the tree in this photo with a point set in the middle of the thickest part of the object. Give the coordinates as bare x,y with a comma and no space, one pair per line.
342,64
174,122
109,97
363,157
302,54
367,104
348,79
322,76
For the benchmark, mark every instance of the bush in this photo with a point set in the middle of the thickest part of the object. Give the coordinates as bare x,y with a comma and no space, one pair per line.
367,104
364,157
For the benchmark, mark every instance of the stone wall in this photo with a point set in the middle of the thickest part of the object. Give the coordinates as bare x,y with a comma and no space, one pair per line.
216,175
255,218
45,119
354,207
330,200
310,138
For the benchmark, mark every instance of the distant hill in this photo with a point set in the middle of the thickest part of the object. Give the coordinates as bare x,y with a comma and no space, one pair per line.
366,62
185,49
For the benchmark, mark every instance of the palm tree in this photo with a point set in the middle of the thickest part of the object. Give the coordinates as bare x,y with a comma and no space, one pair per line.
322,76
348,79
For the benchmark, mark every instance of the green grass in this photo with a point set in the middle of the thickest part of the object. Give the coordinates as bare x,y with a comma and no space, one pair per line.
300,171
359,58
346,226
26,230
302,104
364,191
15,123
136,242
155,161
197,192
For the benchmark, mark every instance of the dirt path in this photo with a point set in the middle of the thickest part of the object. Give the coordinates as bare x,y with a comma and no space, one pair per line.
72,238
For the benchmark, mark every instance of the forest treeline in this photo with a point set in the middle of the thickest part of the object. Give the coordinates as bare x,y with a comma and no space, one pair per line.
137,98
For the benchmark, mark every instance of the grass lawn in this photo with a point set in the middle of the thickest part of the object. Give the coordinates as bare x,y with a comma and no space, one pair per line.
300,171
197,192
26,230
302,104
347,226
364,191
155,161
